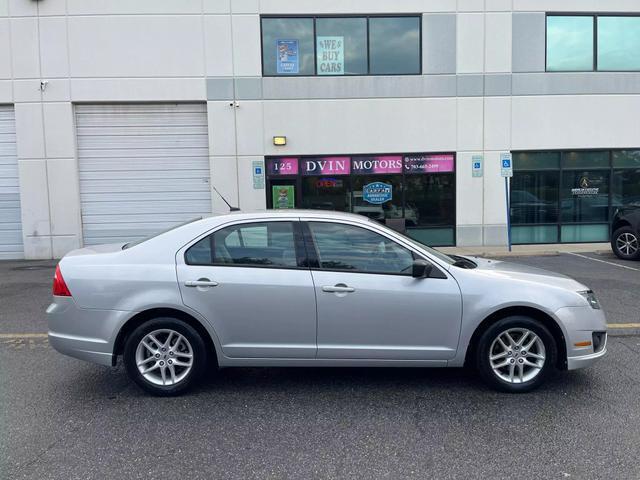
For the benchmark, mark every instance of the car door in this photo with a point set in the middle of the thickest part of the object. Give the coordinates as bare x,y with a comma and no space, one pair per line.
369,305
247,279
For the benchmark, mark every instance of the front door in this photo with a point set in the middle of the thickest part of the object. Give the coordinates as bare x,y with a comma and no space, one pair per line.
246,279
369,305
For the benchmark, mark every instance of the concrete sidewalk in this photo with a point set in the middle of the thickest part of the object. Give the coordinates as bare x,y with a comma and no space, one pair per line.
528,250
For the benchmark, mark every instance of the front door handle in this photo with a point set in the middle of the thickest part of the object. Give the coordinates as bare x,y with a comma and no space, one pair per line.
339,288
203,282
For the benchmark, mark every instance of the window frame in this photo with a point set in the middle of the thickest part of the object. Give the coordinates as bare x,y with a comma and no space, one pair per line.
314,256
315,46
298,242
594,16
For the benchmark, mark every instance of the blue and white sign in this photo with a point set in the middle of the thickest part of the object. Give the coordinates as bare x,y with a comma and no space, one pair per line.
506,165
258,174
377,193
287,58
476,165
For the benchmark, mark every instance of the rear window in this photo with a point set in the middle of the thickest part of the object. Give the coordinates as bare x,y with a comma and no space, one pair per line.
138,242
265,244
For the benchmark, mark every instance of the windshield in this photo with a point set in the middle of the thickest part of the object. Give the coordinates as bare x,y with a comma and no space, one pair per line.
173,227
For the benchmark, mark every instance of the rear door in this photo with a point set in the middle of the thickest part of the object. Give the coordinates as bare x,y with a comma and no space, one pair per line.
249,281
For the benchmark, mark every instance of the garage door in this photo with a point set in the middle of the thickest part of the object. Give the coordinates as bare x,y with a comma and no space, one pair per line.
10,221
143,168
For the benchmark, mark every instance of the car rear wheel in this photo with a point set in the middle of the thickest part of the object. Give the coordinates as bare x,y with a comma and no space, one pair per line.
626,244
165,356
516,354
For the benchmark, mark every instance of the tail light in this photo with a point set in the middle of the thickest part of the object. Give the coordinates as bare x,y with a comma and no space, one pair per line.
60,288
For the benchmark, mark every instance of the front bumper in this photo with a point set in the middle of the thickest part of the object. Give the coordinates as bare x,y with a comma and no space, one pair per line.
83,333
579,325
583,361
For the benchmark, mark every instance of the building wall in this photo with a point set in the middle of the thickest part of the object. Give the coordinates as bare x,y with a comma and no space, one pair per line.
483,91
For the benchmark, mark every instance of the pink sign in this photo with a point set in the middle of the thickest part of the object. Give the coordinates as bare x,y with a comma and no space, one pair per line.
326,166
282,166
428,163
380,164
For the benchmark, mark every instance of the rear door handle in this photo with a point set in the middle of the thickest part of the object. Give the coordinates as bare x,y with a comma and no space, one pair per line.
200,283
339,288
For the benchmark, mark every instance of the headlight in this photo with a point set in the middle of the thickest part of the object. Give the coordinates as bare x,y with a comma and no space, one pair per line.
591,299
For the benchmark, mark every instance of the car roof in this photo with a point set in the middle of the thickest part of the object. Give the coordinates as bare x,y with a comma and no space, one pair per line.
246,214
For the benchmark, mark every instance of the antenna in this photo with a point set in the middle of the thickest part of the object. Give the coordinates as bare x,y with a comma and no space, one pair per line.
231,209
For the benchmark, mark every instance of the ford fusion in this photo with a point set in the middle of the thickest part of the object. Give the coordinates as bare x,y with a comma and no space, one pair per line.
310,288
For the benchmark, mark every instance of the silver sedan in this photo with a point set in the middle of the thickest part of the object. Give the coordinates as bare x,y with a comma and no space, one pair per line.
309,288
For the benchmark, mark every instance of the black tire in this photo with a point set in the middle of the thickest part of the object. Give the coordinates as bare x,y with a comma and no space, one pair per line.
616,248
199,356
487,339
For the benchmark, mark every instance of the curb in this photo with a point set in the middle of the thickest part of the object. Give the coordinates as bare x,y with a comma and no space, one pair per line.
615,331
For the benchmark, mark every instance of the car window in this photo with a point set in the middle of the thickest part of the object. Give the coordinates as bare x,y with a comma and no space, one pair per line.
346,247
266,244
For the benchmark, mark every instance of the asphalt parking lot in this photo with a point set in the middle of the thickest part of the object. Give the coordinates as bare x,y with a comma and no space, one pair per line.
62,418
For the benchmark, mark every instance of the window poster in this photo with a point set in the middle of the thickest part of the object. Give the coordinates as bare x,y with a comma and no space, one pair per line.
330,55
283,196
287,56
377,193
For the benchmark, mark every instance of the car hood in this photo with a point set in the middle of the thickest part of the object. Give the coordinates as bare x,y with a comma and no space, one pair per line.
525,273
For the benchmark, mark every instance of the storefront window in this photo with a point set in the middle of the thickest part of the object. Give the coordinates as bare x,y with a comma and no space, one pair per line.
626,158
575,201
416,192
377,197
326,193
626,188
536,160
534,197
585,159
585,196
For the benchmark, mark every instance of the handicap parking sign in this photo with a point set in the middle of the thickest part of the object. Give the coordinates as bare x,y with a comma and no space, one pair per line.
506,164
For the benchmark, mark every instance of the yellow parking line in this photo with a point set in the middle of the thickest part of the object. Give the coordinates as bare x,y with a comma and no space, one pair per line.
13,336
623,325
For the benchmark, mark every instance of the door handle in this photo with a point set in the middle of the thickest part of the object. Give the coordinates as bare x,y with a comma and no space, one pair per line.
339,288
203,282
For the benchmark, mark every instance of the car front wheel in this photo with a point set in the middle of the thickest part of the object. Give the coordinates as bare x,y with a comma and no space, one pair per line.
626,244
165,356
516,354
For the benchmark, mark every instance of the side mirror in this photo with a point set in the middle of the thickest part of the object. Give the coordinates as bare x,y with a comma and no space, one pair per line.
421,268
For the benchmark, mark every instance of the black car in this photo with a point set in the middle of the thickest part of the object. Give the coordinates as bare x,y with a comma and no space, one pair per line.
625,233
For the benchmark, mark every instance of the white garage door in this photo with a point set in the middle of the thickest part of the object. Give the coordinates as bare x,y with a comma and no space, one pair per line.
10,221
143,168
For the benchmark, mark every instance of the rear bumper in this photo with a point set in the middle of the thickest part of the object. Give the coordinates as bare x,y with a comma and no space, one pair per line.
82,333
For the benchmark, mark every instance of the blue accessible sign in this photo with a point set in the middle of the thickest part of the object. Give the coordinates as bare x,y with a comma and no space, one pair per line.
287,56
377,193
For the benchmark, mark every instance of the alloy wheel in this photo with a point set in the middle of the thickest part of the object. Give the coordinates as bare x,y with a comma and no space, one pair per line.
164,357
517,355
627,244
